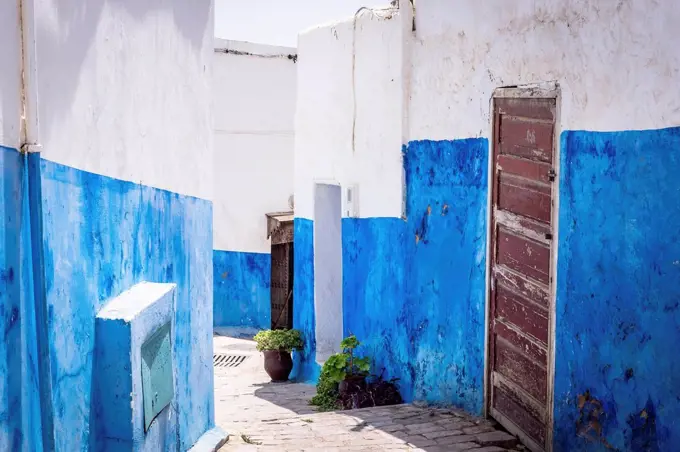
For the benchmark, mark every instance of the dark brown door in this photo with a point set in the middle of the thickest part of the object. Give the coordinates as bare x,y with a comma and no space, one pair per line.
521,262
282,286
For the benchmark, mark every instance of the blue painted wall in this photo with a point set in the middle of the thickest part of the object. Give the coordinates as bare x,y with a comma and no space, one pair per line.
618,294
305,368
414,290
11,196
20,423
99,237
242,296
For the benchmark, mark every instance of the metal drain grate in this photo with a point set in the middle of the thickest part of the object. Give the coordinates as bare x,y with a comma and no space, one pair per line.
228,360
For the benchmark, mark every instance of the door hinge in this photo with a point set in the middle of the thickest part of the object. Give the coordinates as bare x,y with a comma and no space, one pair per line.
552,174
548,236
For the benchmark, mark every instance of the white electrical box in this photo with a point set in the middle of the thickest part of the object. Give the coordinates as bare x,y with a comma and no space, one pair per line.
352,201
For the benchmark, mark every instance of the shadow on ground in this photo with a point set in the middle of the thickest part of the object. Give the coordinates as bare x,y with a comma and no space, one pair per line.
261,415
290,396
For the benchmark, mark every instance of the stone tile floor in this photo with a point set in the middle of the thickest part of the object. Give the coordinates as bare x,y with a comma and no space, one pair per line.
264,416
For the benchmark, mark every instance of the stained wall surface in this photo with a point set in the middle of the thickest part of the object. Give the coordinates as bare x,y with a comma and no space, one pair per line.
415,278
19,392
120,193
254,93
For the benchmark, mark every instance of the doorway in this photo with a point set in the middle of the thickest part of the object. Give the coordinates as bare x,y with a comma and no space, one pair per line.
521,265
280,232
282,286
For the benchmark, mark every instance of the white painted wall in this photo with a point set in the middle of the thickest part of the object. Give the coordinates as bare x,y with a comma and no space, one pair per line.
124,89
617,65
617,62
254,99
330,145
10,74
327,270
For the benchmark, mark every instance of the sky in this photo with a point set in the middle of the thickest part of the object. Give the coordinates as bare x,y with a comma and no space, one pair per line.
278,22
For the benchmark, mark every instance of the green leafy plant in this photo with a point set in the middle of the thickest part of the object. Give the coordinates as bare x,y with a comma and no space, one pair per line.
337,368
281,340
346,364
354,365
326,398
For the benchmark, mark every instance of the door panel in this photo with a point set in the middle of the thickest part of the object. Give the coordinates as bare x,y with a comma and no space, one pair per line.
524,416
524,197
281,286
521,267
529,375
527,257
526,138
521,313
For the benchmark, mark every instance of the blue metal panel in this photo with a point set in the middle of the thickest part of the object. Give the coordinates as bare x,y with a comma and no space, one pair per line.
157,387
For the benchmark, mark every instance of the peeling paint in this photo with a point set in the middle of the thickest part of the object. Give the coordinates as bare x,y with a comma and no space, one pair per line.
591,417
617,287
418,306
100,237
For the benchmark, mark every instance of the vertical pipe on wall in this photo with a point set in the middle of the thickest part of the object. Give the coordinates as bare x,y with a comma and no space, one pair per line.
30,125
30,146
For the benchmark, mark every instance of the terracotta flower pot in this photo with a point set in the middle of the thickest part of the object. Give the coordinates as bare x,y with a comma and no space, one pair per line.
277,364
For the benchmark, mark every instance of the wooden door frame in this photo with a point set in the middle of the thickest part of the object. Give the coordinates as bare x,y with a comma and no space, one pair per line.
546,90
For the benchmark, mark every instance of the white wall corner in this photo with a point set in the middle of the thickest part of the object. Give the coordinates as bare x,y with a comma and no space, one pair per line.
407,18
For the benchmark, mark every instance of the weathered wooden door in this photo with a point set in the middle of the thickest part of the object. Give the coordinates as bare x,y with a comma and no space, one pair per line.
520,383
282,286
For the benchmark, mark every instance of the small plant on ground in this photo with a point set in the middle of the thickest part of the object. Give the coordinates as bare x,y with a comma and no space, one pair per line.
337,368
379,392
281,340
345,364
326,398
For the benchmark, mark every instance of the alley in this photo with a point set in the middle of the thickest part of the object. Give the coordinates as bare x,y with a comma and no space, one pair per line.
259,415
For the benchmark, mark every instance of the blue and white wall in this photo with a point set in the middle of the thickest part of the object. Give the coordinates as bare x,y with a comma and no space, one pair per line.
254,90
120,192
19,391
405,123
349,133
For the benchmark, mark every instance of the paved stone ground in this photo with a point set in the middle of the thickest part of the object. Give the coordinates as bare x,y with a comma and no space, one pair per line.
264,416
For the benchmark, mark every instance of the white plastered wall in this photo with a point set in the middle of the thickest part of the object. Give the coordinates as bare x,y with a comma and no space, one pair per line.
350,125
254,92
124,89
350,121
10,74
616,62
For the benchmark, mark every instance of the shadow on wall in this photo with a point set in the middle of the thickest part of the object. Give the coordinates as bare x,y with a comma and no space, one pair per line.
65,41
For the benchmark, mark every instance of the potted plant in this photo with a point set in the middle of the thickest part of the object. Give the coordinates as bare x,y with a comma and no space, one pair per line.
347,369
276,345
